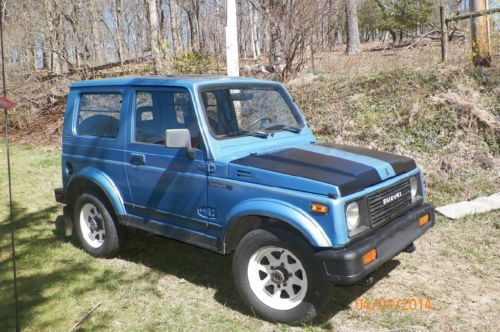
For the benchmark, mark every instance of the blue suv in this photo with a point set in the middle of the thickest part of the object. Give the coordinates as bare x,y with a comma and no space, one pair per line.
229,165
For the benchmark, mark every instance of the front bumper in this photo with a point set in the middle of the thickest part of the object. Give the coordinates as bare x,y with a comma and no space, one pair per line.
345,266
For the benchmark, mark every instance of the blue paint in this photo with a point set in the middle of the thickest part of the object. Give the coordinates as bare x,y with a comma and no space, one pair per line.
105,183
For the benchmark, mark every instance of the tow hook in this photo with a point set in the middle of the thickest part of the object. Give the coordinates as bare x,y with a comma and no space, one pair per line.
369,280
410,249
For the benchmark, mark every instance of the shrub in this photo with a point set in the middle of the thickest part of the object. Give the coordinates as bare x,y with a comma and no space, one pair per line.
192,63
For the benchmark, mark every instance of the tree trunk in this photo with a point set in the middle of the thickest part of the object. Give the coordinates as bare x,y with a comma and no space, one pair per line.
199,30
481,55
352,31
253,33
96,33
191,31
153,28
45,55
174,27
119,32
276,51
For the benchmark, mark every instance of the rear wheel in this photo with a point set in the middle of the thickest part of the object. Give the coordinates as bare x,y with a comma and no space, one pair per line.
275,274
97,231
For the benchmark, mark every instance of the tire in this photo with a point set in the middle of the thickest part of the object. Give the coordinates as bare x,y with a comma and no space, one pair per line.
266,259
97,231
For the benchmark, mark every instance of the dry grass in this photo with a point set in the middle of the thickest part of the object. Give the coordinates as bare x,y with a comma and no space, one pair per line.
418,53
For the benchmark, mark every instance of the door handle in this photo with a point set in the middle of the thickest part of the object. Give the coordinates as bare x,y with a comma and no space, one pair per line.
138,159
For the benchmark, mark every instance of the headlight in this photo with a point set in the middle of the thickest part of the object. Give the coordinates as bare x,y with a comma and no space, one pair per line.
352,216
413,187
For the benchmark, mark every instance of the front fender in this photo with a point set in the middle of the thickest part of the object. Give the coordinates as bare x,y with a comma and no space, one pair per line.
105,183
283,211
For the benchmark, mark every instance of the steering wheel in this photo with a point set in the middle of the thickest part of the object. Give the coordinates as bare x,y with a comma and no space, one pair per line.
263,122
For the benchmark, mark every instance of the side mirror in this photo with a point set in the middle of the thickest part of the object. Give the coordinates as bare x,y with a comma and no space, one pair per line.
178,138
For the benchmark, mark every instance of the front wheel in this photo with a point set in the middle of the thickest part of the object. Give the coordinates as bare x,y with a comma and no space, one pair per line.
275,274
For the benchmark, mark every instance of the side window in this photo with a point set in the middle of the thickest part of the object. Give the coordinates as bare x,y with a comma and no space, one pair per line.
150,123
157,111
99,114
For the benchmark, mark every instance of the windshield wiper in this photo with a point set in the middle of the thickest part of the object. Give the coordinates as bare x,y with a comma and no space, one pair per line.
285,127
255,133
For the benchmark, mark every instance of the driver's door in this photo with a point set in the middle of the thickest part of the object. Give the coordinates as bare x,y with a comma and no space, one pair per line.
165,184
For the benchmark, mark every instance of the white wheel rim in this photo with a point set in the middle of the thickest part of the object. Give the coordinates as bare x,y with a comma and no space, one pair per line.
92,225
277,278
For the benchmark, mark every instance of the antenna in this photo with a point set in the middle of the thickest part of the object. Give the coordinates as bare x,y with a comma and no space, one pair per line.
6,104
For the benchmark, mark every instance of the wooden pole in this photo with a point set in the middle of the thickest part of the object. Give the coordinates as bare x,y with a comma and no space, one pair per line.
232,52
481,55
444,35
11,205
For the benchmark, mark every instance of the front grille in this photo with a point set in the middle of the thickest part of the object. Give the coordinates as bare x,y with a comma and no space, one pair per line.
381,213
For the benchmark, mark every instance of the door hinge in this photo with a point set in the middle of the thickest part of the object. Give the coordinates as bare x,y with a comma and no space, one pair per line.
208,168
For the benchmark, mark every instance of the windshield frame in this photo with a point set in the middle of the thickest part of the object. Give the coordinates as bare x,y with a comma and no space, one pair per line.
251,85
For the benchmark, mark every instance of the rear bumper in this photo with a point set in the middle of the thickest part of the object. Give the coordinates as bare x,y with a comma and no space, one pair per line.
345,266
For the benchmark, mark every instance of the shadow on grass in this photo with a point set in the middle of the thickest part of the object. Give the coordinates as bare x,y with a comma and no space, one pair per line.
37,246
211,270
36,274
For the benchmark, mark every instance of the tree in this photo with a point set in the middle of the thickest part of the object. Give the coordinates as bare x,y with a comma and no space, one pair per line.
352,30
119,33
404,15
154,37
174,27
254,36
290,27
480,35
96,33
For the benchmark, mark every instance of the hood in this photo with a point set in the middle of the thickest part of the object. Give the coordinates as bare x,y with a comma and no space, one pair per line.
350,169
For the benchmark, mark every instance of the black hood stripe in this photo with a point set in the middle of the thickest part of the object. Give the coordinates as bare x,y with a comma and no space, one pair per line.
400,164
347,175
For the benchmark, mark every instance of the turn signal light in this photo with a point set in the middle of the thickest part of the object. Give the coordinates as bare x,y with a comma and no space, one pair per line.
319,208
370,256
423,220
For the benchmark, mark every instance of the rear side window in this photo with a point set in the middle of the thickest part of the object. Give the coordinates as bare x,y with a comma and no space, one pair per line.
99,114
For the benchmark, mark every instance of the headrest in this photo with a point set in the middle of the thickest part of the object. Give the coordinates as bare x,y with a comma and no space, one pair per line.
142,111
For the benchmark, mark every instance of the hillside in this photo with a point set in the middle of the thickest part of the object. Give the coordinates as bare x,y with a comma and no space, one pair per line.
448,119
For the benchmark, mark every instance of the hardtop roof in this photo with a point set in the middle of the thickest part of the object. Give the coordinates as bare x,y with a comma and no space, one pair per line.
183,81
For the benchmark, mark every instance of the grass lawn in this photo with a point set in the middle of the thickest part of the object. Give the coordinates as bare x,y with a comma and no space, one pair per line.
160,284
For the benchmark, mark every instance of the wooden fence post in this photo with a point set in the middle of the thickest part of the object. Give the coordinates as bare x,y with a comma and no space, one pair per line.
444,34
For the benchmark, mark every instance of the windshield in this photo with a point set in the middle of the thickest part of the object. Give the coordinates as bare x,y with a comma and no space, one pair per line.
243,111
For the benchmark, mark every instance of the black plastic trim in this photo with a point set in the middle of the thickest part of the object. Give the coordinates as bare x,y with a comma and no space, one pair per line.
60,195
345,266
172,232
